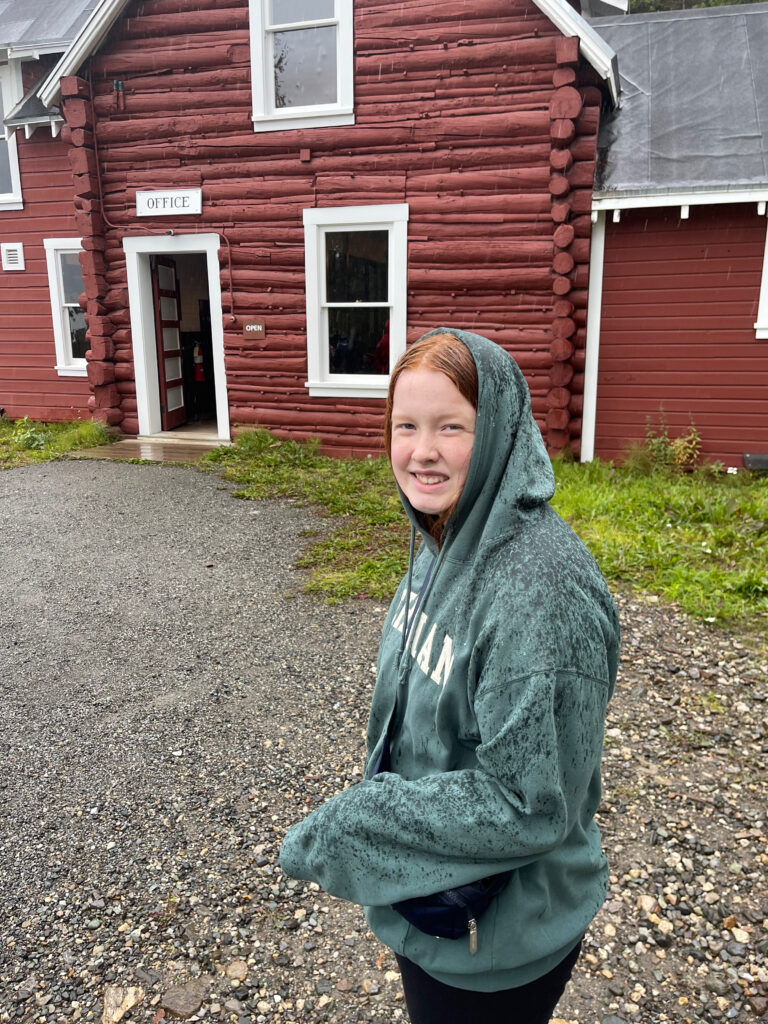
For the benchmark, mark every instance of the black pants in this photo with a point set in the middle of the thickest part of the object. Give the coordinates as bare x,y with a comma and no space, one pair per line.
431,1002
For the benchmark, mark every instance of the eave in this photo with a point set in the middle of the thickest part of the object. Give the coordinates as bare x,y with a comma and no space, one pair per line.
592,47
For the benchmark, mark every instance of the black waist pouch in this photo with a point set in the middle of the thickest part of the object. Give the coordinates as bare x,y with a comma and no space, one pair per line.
453,912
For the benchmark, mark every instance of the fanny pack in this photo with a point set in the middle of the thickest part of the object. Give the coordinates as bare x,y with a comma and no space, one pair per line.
453,912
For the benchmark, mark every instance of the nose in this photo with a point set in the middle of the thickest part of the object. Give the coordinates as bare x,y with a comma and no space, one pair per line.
425,449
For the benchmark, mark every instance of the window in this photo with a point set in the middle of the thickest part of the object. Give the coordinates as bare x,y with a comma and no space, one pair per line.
10,182
301,63
65,281
356,267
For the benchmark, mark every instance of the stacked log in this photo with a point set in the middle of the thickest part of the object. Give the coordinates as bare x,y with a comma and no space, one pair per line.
574,115
105,400
473,112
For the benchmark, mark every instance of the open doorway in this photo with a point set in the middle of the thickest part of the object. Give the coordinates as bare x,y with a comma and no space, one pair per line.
184,346
178,344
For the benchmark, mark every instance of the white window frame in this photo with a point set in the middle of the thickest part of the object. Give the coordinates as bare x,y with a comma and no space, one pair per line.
317,222
10,81
268,118
66,364
761,327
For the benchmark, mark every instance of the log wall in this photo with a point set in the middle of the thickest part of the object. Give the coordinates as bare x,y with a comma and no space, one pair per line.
29,384
680,300
477,113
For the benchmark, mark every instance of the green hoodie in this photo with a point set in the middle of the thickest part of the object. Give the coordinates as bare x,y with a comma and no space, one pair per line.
496,743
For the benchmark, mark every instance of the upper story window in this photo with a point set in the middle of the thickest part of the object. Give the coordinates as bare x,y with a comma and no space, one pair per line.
356,280
65,283
10,181
301,63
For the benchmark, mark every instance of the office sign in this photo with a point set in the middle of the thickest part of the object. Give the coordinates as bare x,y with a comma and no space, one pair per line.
169,202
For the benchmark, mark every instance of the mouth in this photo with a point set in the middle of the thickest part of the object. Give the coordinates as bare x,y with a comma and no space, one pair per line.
429,480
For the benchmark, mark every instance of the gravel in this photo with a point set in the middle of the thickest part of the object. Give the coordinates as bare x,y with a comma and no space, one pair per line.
171,703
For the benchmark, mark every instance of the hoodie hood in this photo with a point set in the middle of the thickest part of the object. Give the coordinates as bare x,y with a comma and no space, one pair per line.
510,473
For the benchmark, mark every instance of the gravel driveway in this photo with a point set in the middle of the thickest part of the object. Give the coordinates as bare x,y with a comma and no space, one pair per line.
171,703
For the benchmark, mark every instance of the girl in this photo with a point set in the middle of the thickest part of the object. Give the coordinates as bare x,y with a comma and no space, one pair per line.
497,659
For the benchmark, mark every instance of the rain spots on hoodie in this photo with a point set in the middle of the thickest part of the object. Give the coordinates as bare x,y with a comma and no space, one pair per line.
494,705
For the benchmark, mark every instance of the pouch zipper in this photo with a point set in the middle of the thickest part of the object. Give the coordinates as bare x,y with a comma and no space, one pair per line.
454,897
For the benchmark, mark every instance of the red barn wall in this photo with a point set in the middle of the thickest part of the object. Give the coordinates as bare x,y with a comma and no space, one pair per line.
464,110
680,300
29,384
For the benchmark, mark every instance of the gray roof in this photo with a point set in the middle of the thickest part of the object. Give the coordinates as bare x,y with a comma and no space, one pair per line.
49,24
694,104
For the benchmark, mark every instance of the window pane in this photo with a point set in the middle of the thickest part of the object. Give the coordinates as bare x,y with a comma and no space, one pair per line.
356,265
285,12
77,331
305,67
71,277
6,185
358,340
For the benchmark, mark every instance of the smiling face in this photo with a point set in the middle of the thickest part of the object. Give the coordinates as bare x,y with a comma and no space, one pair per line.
433,431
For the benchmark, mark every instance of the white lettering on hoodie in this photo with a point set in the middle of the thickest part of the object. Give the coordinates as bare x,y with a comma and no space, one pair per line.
424,653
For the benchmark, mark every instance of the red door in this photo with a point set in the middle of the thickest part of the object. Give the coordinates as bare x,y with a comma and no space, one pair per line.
165,292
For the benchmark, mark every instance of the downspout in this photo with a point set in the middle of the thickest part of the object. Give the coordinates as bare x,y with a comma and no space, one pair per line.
594,316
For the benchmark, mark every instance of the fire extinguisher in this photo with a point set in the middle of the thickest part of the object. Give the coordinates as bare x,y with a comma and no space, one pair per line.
197,361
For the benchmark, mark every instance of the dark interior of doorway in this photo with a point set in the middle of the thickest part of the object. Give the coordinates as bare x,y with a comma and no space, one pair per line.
196,341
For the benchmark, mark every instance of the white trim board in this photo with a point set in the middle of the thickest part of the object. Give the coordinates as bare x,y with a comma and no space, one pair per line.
594,315
137,253
653,200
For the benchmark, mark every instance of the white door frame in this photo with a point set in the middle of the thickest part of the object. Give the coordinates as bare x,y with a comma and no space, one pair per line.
137,254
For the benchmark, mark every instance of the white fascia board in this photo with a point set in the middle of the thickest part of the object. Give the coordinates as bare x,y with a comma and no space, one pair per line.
33,51
89,38
592,47
654,200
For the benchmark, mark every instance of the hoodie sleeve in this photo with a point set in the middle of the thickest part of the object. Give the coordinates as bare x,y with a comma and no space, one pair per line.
536,779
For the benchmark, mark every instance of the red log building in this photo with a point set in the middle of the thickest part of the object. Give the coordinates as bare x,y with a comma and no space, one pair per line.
269,212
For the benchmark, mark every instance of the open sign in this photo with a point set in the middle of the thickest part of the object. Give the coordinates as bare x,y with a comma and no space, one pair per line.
254,328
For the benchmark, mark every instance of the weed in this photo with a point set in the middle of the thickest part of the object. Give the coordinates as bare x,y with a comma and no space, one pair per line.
712,703
25,440
29,436
659,451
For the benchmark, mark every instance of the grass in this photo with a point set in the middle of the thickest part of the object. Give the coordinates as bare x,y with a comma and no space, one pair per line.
25,441
699,540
